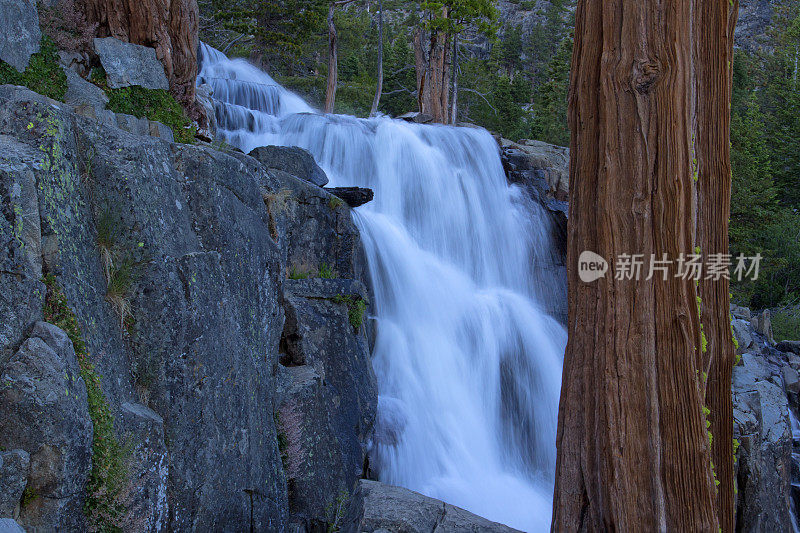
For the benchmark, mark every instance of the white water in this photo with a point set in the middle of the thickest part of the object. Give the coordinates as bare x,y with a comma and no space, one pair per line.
468,364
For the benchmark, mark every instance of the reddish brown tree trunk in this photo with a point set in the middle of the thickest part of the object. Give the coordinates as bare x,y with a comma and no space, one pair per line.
714,24
633,450
333,62
432,63
169,26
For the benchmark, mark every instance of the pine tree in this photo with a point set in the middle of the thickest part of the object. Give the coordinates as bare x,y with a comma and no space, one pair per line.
754,196
550,100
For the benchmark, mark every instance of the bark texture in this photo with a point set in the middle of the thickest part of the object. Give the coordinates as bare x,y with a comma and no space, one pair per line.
714,25
432,62
633,450
169,26
333,57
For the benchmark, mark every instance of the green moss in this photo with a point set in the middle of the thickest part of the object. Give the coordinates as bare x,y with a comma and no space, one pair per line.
109,473
153,104
28,495
334,203
43,75
355,309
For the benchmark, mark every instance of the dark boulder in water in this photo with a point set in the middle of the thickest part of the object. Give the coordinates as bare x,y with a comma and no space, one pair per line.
352,196
292,160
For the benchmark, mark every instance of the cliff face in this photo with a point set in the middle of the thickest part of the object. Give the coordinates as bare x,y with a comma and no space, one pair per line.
231,388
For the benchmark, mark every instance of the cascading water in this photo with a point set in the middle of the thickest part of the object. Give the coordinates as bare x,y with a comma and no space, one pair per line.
468,363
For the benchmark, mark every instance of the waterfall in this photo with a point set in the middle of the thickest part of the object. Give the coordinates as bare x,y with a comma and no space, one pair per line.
467,360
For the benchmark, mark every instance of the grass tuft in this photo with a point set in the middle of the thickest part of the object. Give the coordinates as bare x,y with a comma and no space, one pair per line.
356,307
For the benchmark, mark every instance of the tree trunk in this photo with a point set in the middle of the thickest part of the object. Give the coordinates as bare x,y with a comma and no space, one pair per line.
420,68
170,26
633,450
432,64
333,62
374,110
454,103
714,24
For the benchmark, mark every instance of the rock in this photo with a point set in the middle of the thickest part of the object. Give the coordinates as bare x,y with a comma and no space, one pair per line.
752,26
791,380
129,64
78,62
376,506
762,325
789,347
13,478
764,458
742,334
7,525
327,389
293,160
45,412
20,36
171,28
207,130
142,126
541,170
352,196
145,500
21,291
416,117
740,312
83,93
216,234
529,158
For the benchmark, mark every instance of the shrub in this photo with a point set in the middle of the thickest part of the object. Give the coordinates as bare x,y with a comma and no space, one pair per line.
65,23
43,75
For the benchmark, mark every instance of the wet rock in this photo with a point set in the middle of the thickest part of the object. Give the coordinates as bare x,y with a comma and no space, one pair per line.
129,64
352,196
13,478
293,160
45,412
416,117
19,32
207,130
528,159
376,506
541,170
